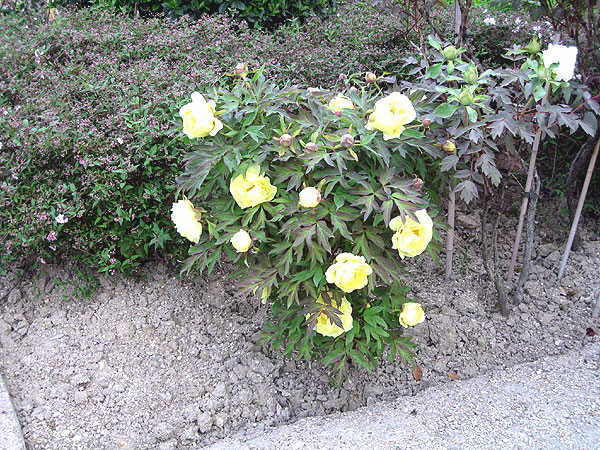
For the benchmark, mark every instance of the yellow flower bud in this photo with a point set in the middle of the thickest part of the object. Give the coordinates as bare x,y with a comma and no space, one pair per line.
241,70
534,46
370,77
465,97
241,241
411,314
285,140
471,75
347,140
449,147
310,147
450,53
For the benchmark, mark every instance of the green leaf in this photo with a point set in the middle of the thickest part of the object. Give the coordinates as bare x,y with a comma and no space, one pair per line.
435,44
538,92
434,71
445,110
472,114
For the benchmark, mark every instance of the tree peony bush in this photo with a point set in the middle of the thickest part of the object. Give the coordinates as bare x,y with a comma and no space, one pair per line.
314,194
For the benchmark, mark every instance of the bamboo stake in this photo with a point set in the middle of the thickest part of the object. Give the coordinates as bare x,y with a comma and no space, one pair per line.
524,204
586,184
450,236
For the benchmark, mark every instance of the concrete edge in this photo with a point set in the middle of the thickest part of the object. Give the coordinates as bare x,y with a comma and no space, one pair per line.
10,428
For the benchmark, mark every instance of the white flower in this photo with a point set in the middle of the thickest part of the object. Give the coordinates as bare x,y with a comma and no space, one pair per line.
120,140
61,219
489,21
310,197
565,57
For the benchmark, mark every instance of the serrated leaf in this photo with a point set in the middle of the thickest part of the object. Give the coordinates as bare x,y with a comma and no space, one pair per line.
449,162
467,189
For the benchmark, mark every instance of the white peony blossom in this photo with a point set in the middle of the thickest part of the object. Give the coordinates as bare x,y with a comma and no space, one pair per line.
565,57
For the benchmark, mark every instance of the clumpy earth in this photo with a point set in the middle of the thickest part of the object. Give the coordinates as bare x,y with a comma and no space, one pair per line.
170,363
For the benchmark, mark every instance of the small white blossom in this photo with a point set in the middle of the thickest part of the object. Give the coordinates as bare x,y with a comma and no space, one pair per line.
120,140
489,21
61,219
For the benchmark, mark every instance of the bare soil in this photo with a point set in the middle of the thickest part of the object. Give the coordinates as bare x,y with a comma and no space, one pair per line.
170,363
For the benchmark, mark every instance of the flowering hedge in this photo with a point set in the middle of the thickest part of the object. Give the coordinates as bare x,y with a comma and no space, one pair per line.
315,195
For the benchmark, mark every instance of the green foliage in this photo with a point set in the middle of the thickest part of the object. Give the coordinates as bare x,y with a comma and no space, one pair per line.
497,111
262,13
362,185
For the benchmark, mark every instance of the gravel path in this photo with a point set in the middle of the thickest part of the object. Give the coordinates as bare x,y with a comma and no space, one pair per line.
552,403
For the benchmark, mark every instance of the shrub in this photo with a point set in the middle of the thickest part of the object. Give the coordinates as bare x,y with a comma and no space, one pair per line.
310,192
316,205
86,100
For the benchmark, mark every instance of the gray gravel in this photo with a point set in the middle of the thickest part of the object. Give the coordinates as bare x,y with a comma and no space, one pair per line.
552,403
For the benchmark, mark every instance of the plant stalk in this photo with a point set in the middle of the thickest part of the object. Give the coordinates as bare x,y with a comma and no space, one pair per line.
586,184
529,235
525,202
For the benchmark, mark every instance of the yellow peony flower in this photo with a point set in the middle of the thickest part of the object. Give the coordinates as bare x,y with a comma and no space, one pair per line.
411,238
186,222
309,197
391,114
199,117
411,314
241,241
349,272
252,189
339,103
326,327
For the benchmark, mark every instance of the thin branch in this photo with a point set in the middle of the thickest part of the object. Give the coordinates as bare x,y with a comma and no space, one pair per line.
529,235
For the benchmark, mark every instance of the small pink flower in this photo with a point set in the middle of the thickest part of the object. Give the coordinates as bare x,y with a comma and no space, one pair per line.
51,236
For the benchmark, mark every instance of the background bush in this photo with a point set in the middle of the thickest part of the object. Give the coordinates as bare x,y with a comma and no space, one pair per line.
261,13
88,118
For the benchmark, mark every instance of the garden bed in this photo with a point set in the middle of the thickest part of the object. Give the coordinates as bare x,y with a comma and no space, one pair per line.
172,363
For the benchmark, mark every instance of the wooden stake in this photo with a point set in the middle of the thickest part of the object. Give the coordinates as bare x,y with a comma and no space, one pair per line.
586,184
450,236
